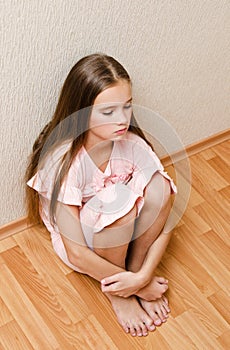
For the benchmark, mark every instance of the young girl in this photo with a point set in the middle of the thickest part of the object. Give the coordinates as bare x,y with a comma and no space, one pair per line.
95,182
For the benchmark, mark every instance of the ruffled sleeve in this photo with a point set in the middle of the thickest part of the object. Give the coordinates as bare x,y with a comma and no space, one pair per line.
43,181
146,164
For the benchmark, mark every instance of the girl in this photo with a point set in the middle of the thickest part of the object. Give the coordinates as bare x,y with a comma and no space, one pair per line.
95,182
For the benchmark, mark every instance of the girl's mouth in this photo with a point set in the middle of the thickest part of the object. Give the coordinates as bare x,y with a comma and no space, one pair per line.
121,131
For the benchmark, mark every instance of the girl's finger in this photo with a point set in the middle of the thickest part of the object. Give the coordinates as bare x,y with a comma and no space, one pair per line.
110,288
110,279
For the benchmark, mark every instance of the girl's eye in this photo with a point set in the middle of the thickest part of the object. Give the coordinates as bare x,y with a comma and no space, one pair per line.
128,106
107,113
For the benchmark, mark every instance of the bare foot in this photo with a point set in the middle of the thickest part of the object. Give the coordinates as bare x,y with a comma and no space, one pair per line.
131,316
158,309
155,289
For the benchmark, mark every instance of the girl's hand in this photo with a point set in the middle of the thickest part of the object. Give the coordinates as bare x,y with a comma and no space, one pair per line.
123,284
155,289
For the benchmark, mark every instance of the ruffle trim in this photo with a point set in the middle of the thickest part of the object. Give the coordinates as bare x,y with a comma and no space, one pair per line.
70,195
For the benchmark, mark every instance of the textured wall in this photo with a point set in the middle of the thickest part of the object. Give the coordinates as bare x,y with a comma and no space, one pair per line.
176,52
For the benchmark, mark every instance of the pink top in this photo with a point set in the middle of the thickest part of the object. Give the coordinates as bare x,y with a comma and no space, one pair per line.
103,197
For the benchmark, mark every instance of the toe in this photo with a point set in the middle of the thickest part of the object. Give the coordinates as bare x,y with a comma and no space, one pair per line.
126,328
159,312
166,304
139,331
152,328
156,319
150,325
154,316
144,330
165,300
164,311
133,331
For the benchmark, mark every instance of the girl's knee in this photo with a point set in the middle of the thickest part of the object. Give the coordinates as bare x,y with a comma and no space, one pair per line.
129,218
118,234
158,192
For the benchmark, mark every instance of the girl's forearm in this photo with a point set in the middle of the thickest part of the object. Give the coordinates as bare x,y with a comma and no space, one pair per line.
93,265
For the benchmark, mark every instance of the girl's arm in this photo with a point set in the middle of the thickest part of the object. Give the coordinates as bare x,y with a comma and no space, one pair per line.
87,262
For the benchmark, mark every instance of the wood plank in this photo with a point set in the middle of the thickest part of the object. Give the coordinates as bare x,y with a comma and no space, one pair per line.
224,340
7,243
12,337
197,332
181,251
95,336
195,222
207,258
220,166
208,154
192,298
176,336
225,192
43,299
45,261
223,151
5,315
217,246
205,173
216,201
45,241
195,198
24,312
214,220
2,262
221,301
156,341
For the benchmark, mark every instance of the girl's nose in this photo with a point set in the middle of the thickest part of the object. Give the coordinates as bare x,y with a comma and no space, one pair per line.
123,118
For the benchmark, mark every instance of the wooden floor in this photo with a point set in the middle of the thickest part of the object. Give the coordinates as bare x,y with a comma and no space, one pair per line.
45,305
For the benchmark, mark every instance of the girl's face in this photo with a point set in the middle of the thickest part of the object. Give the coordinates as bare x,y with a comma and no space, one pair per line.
111,113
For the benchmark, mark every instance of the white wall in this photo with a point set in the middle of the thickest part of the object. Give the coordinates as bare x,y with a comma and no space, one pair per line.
176,52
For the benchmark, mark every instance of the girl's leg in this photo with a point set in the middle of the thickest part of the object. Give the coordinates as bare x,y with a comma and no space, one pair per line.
151,221
117,236
113,241
149,226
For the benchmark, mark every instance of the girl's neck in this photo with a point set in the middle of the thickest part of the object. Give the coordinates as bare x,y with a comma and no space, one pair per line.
100,153
98,146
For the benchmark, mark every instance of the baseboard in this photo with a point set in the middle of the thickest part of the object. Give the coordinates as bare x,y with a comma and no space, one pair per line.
19,225
14,227
197,147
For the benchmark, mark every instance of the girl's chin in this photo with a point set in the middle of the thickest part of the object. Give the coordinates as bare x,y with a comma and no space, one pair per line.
117,137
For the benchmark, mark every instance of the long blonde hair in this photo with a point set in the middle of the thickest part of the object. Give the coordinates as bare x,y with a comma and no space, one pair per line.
86,80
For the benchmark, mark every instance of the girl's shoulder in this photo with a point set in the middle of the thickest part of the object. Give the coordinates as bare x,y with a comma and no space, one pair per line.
54,156
49,167
53,160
